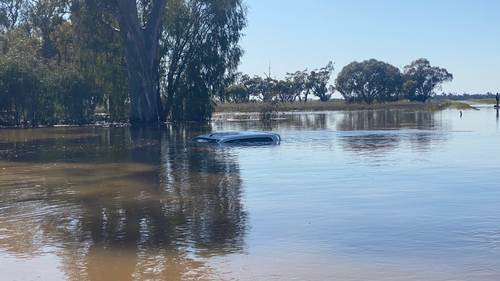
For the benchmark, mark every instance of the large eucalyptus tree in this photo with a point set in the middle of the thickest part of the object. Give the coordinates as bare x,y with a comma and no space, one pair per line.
139,24
421,79
369,81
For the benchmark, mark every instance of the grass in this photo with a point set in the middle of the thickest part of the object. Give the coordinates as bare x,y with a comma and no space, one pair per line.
341,106
484,101
461,106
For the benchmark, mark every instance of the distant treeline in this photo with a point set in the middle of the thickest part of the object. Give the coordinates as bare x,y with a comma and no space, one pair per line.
464,96
359,82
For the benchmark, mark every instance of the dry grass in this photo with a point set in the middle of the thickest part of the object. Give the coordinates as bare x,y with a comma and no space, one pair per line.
461,105
335,106
484,101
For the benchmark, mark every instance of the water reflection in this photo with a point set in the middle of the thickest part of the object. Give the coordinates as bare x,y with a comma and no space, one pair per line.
388,120
121,203
347,195
386,130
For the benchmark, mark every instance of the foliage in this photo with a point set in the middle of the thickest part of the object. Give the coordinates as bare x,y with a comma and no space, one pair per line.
269,110
369,81
97,51
23,82
196,103
11,13
61,59
282,90
421,79
76,99
40,90
199,45
79,44
140,33
236,93
297,85
483,98
318,81
258,88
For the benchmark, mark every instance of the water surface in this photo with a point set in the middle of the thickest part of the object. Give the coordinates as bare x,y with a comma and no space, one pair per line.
368,195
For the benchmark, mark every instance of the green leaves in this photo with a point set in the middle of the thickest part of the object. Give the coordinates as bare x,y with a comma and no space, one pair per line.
318,81
237,93
296,85
421,79
373,80
200,44
369,81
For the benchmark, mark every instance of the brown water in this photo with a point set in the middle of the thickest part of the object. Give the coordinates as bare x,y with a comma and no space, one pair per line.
384,195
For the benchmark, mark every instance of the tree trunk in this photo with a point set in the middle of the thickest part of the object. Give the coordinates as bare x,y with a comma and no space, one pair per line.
143,103
141,46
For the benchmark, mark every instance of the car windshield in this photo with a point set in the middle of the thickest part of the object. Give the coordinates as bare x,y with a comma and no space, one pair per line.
204,140
252,140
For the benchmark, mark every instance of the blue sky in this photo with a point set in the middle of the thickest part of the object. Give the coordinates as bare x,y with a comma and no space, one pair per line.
461,36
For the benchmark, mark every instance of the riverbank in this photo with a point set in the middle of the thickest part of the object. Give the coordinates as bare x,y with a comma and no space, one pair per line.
432,105
253,111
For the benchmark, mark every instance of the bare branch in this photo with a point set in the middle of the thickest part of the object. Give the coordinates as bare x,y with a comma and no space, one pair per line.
110,25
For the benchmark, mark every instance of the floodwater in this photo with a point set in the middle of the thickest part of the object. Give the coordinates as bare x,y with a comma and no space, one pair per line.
368,195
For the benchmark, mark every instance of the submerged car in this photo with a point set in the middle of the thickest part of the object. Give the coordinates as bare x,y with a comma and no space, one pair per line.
243,137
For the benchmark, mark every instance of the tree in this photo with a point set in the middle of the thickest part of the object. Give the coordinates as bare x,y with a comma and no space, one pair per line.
140,33
421,79
283,91
259,88
97,51
369,81
24,82
56,66
44,17
297,82
237,93
315,82
10,12
200,40
40,84
295,85
318,80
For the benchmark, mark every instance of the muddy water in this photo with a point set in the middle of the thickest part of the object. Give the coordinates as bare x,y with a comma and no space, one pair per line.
384,195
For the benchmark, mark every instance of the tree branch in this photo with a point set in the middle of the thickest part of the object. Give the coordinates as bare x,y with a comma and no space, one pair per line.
109,11
110,25
154,18
110,8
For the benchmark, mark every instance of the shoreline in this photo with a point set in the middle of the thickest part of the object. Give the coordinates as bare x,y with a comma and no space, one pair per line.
314,106
252,111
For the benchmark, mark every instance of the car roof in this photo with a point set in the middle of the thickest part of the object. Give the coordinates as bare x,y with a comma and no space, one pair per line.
228,136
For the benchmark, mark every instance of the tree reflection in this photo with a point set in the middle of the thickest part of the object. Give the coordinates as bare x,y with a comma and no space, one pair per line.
387,120
384,130
121,203
371,141
318,121
203,188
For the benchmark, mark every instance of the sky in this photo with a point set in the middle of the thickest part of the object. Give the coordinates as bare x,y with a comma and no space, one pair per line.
462,36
